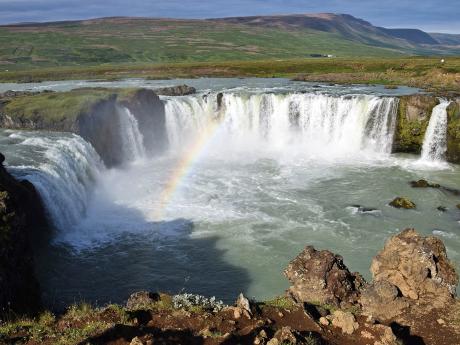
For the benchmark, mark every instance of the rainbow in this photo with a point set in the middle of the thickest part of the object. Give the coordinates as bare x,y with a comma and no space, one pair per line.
185,165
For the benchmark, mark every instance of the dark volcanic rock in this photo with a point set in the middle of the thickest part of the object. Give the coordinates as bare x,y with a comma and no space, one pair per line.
322,277
181,90
21,217
149,111
424,184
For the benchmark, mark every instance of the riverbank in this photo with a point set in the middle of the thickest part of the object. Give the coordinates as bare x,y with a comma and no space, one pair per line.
408,302
422,72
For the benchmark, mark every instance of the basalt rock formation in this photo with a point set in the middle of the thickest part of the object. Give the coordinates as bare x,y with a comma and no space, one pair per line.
322,277
21,217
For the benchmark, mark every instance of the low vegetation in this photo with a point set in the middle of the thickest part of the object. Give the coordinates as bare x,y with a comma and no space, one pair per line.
426,73
58,106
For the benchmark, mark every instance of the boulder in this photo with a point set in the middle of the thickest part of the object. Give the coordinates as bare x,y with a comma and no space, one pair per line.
142,300
381,300
345,321
411,271
322,277
403,202
243,303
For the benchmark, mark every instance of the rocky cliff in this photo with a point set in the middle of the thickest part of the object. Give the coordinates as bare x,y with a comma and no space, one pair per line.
414,114
453,132
93,113
22,216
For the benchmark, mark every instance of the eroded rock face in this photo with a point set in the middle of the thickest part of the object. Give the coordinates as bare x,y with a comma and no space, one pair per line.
414,113
411,271
453,132
322,277
21,217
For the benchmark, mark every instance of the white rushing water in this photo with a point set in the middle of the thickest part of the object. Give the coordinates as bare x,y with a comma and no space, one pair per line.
310,123
65,175
435,141
132,139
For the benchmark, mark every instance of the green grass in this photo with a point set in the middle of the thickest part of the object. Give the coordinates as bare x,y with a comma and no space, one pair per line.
59,106
282,302
411,71
161,41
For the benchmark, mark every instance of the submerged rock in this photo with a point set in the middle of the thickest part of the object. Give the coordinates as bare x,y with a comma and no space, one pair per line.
403,202
442,208
424,184
322,277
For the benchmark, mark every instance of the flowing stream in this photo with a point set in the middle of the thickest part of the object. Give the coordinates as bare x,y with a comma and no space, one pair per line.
249,179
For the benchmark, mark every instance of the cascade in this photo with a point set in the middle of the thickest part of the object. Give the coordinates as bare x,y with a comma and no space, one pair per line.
435,141
318,123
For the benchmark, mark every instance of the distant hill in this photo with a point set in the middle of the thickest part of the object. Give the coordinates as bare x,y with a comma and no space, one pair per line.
447,39
127,40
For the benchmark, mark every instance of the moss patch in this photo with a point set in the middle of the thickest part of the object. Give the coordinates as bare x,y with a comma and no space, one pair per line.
413,117
453,132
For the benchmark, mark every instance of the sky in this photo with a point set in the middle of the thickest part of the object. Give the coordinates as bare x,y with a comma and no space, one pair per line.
428,15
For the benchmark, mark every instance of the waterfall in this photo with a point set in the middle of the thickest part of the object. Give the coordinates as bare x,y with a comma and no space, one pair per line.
132,139
64,176
316,123
435,141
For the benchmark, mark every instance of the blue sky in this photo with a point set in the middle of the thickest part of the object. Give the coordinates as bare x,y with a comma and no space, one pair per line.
429,15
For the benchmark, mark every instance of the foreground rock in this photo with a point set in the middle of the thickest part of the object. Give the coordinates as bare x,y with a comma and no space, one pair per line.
21,217
411,271
322,277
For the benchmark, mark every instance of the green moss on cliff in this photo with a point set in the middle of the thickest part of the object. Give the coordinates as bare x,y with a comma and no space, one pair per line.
453,132
60,106
413,117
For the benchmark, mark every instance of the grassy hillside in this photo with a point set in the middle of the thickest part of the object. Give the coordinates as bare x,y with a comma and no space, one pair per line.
128,40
